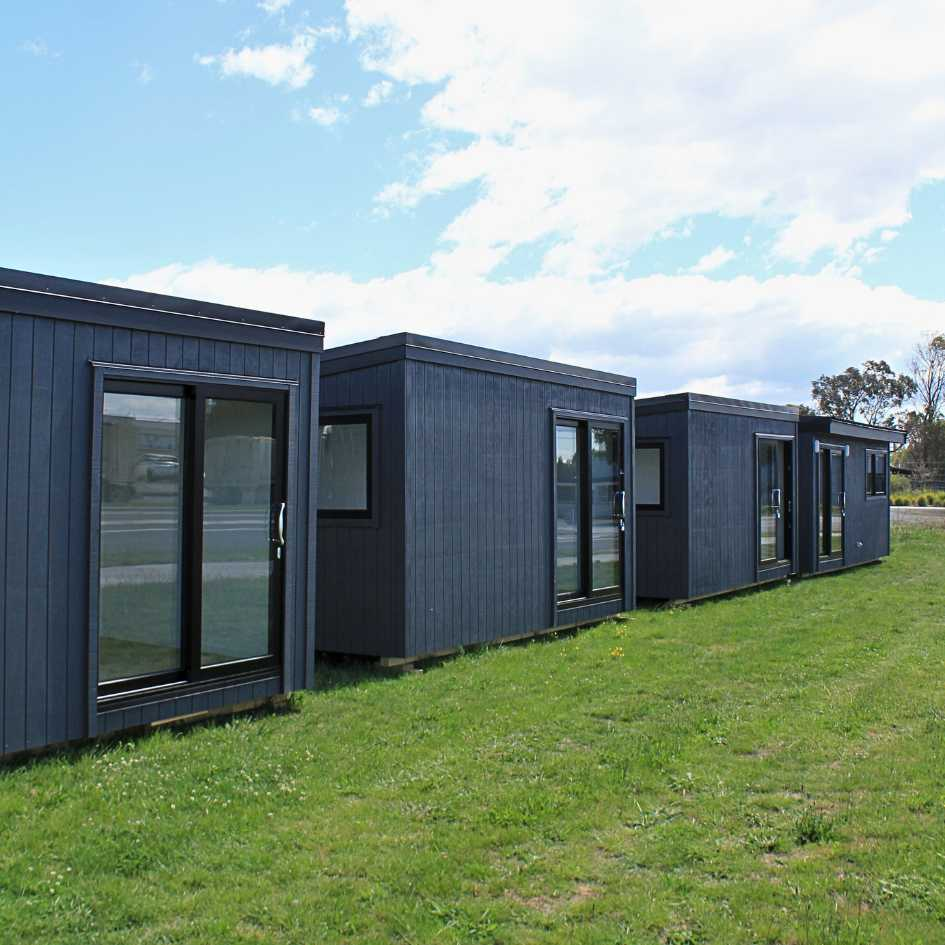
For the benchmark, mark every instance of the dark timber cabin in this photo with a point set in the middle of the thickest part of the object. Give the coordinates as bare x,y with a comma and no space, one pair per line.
844,492
716,495
157,471
467,496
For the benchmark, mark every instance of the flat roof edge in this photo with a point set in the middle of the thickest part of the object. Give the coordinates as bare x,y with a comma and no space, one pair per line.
710,403
852,429
65,290
408,346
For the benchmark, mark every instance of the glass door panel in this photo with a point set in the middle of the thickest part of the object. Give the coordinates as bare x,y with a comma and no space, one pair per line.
589,530
241,487
140,586
568,563
606,520
767,509
832,500
774,500
836,503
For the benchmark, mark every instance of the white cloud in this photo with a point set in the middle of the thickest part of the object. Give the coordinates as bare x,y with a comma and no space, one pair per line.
713,260
278,64
274,6
144,72
600,124
326,116
378,93
764,339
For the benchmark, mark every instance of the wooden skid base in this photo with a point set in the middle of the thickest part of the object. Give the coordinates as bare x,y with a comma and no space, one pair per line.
411,663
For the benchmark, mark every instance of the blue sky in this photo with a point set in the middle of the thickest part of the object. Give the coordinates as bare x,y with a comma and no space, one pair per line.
735,200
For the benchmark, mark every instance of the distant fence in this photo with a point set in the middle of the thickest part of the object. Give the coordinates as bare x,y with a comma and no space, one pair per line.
911,515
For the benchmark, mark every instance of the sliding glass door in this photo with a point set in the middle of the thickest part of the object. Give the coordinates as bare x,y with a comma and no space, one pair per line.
775,501
589,502
832,506
192,533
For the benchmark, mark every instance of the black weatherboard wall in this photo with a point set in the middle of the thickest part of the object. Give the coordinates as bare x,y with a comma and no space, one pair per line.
458,547
698,533
844,493
63,345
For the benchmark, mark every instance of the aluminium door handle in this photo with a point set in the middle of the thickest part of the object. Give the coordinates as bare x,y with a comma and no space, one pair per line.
620,504
279,540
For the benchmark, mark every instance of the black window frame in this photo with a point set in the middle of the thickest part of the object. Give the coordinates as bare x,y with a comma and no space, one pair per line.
586,594
768,568
192,677
871,456
825,508
659,445
359,516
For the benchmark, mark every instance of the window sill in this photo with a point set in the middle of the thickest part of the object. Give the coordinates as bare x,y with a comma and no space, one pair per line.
176,690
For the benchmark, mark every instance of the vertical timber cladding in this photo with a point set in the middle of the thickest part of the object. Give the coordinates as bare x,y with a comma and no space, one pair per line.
480,528
361,568
662,535
51,332
706,542
462,549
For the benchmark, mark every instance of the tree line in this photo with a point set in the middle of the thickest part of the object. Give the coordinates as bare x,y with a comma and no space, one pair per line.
913,401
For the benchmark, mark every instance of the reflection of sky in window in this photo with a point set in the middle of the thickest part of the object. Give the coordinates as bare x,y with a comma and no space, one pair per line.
142,406
566,442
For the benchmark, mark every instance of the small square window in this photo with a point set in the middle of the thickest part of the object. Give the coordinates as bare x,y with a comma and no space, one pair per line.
344,466
650,478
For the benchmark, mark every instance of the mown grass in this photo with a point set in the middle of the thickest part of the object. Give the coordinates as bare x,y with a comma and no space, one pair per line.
768,768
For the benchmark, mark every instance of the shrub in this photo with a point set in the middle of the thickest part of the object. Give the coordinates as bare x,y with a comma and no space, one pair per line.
899,483
920,502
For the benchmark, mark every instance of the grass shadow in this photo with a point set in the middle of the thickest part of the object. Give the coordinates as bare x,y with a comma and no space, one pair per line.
75,751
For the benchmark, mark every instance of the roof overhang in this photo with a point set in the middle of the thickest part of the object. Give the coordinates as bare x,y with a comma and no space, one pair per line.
709,403
831,426
410,347
30,293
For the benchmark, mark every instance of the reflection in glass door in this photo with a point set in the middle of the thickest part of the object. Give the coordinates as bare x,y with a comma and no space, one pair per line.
606,519
589,502
832,494
568,563
775,488
240,489
192,540
141,535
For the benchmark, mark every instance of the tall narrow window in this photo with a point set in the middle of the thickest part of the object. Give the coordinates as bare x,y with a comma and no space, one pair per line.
649,475
876,472
589,499
344,467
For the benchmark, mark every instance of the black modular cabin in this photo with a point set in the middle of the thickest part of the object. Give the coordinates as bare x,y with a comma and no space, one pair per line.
716,495
157,516
468,496
844,492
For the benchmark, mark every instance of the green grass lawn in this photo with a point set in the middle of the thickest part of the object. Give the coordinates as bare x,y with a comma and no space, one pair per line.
768,768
